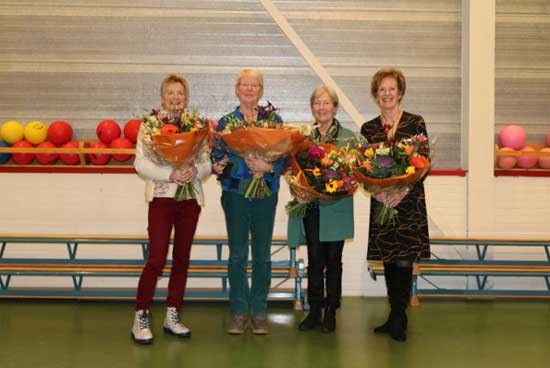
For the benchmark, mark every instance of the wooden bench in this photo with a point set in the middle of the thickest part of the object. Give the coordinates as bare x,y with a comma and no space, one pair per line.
479,267
80,269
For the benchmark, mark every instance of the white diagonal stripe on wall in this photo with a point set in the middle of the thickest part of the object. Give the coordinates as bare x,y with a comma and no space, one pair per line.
281,21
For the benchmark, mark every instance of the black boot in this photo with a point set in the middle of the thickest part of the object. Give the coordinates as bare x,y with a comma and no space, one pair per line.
388,268
313,318
402,283
329,320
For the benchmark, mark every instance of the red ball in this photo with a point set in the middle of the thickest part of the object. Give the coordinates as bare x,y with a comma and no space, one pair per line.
121,143
70,158
99,158
47,158
22,158
60,132
131,130
107,131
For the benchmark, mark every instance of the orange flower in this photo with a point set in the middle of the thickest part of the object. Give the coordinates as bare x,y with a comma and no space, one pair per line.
419,162
409,149
326,162
367,165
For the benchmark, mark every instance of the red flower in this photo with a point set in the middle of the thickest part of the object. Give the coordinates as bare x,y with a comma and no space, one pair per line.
169,129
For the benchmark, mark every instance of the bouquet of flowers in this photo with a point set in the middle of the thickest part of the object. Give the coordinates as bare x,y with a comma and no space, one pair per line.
319,171
176,140
265,138
391,166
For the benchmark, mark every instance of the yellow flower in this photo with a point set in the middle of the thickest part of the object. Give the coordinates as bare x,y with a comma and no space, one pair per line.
317,171
331,186
369,153
411,170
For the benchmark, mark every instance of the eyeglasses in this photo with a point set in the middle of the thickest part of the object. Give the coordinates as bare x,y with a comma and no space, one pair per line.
250,85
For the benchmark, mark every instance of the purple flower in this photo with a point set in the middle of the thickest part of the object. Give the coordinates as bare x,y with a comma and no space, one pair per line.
316,152
385,162
331,174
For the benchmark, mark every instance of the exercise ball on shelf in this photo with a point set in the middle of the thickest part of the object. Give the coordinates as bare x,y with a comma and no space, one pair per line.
512,136
47,158
121,143
506,162
544,161
23,158
70,158
107,131
4,156
527,162
11,131
60,132
36,132
131,130
99,158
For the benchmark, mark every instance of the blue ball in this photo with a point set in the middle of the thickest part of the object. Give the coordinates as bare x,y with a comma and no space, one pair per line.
4,157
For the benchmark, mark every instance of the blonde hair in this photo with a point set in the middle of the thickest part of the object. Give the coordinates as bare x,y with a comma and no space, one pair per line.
324,89
174,78
252,73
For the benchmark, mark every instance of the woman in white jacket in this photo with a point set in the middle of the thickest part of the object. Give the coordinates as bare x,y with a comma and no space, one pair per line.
166,213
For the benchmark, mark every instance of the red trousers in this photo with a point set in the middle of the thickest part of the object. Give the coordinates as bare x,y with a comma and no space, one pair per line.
165,214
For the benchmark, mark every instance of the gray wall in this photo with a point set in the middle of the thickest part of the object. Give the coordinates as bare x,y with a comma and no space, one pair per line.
87,60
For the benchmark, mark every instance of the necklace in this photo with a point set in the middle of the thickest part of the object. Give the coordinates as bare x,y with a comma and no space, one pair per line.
390,124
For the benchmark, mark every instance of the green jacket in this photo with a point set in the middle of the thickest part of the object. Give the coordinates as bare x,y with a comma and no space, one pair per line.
335,219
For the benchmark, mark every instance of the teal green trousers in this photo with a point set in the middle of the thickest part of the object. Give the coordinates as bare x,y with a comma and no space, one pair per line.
244,217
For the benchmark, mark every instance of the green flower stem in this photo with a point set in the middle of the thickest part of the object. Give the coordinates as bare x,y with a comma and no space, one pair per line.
184,192
296,209
385,215
257,188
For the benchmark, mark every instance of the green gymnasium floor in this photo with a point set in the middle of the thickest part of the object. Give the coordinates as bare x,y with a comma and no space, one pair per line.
466,334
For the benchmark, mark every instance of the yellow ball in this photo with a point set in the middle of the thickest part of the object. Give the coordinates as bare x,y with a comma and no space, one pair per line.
36,132
11,131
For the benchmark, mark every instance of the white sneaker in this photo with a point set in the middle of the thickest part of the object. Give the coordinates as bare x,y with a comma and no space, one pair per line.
141,330
173,325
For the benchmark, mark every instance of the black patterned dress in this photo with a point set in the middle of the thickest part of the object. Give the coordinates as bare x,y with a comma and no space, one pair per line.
409,238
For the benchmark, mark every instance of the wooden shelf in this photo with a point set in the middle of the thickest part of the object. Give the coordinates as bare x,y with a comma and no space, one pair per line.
84,165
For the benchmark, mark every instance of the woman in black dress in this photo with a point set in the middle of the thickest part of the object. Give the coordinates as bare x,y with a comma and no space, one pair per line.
399,245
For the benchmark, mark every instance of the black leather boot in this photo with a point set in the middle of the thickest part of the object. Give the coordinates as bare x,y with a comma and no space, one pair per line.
312,320
329,320
388,275
402,293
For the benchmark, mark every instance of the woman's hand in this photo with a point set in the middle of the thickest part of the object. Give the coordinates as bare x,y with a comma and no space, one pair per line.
258,165
183,175
219,166
391,198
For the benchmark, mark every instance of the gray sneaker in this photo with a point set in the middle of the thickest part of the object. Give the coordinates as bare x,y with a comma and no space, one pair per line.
259,325
237,325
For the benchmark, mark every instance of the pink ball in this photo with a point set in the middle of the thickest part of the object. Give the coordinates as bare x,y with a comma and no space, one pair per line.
507,162
544,161
47,158
107,131
527,162
121,143
512,136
